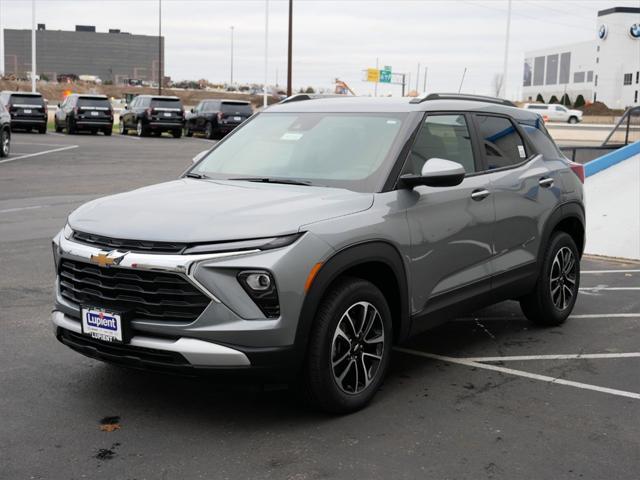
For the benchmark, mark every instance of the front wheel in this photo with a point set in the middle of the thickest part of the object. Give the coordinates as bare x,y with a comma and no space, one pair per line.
556,291
122,128
349,347
209,132
5,142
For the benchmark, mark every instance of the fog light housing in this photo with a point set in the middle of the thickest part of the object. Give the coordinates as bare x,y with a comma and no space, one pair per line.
261,287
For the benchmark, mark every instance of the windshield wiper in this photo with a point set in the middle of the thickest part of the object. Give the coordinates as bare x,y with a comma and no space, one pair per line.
286,181
196,175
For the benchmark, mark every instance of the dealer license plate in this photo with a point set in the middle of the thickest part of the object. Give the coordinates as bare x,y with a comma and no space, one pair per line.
102,324
237,119
27,110
167,114
95,114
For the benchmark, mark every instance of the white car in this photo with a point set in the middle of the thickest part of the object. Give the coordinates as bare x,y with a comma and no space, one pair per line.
555,113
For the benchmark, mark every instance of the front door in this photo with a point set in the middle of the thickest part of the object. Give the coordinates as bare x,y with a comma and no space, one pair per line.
451,227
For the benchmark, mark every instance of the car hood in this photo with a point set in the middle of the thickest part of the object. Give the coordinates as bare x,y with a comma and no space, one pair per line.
192,211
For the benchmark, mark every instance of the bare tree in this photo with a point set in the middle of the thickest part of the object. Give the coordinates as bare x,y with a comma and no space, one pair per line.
496,84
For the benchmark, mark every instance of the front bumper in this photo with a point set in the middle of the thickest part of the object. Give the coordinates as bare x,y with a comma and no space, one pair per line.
230,333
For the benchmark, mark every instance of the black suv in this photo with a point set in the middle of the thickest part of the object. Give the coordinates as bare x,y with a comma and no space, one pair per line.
216,118
80,112
28,110
153,114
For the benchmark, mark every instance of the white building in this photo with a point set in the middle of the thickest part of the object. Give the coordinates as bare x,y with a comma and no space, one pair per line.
606,69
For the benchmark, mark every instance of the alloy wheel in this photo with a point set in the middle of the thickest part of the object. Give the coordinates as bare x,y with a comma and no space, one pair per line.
562,279
357,347
5,143
139,128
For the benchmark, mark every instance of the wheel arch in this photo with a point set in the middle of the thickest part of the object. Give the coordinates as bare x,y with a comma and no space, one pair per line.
378,262
570,218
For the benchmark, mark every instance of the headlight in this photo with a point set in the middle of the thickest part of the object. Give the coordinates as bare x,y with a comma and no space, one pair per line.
67,232
255,244
261,287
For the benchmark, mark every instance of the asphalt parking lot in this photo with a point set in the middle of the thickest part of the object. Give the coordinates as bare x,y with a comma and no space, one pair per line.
488,396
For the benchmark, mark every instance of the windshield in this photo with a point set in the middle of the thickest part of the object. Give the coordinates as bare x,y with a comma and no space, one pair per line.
166,103
330,149
101,103
20,99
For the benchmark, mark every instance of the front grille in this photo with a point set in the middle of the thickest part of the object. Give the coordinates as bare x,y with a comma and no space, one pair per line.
119,353
129,245
143,295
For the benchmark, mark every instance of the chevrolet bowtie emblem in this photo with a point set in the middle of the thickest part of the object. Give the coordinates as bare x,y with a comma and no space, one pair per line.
107,259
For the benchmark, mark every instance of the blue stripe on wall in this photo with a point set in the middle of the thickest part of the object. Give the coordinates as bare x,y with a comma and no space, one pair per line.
610,159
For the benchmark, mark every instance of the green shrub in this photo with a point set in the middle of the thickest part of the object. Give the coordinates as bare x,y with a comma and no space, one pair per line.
579,101
553,99
540,98
565,100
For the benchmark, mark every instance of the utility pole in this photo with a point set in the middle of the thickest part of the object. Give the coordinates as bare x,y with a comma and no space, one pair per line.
426,70
375,87
418,79
290,50
160,47
231,81
506,53
266,51
33,46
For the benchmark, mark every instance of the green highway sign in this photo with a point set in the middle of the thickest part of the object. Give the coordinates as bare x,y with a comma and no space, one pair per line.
385,75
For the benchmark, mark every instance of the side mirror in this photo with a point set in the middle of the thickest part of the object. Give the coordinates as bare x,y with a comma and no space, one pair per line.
58,105
126,106
436,172
199,156
193,110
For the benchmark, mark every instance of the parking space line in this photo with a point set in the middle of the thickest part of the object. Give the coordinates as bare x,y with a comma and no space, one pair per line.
520,373
597,289
19,209
39,144
578,316
608,271
577,356
38,153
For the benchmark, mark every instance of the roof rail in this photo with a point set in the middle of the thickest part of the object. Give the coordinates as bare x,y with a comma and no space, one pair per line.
462,96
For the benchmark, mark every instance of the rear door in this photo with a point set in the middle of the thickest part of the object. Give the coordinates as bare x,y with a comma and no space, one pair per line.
524,191
451,227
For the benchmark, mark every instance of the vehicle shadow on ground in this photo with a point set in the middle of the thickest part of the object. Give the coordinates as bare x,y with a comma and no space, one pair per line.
206,398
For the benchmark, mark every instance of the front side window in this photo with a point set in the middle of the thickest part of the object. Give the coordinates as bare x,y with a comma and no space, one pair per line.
442,136
561,109
350,150
502,144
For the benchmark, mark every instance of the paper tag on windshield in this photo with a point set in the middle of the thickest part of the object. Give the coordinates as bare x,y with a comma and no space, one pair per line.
291,136
521,151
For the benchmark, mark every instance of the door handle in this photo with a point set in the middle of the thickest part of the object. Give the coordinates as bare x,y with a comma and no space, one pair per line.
545,182
478,195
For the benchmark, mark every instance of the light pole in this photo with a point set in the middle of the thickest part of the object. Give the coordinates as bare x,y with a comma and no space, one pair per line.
160,47
266,50
290,49
231,81
33,46
506,53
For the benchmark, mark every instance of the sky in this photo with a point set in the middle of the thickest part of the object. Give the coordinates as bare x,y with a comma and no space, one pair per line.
336,39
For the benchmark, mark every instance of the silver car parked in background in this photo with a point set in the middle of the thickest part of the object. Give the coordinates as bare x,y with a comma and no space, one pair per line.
319,234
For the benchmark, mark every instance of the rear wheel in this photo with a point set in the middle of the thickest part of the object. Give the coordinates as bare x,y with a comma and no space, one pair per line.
122,128
108,131
573,120
5,142
556,290
42,130
71,128
58,128
141,130
177,133
349,347
188,132
209,131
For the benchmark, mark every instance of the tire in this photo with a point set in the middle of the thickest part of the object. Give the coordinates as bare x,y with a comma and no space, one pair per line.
42,130
209,131
5,142
573,120
188,132
108,131
560,269
58,128
322,384
141,130
71,128
122,128
177,133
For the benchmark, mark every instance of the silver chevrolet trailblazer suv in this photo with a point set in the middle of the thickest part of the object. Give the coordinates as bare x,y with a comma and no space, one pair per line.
318,235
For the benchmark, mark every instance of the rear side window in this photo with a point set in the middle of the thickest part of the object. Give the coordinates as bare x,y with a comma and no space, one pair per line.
542,141
166,103
501,143
442,136
236,108
22,99
94,102
536,107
